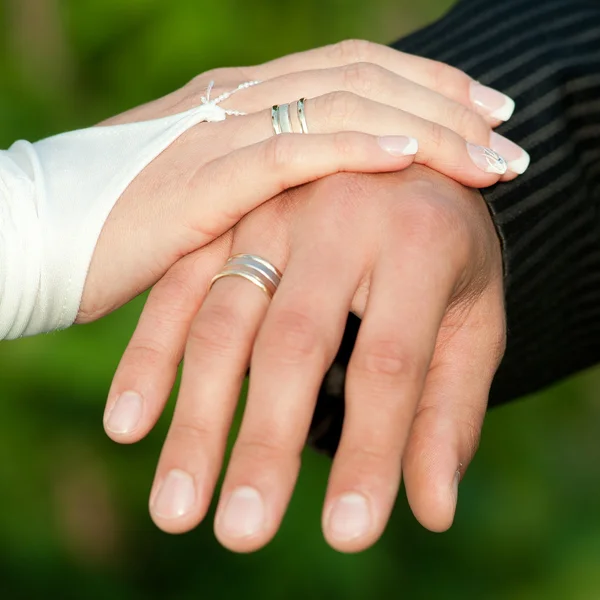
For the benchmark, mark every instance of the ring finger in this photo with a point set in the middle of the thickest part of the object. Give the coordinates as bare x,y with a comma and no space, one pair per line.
439,147
216,360
374,83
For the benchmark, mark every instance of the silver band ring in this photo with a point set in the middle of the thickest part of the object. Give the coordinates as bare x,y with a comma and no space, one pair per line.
253,268
281,118
301,110
284,118
275,119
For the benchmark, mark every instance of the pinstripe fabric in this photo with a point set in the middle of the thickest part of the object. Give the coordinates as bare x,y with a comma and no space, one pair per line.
546,56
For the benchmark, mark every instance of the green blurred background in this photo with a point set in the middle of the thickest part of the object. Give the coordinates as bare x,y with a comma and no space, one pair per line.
73,516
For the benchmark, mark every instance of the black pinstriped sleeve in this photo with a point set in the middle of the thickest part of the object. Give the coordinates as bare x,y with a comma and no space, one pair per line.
546,56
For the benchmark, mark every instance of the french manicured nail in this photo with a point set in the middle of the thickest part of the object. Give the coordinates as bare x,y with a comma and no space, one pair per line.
244,513
176,496
125,414
399,145
516,158
491,102
487,160
349,518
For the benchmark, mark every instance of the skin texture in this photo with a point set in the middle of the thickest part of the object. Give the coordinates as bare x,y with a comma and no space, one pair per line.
416,256
217,172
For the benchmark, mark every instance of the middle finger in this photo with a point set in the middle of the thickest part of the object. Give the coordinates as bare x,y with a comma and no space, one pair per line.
294,348
375,83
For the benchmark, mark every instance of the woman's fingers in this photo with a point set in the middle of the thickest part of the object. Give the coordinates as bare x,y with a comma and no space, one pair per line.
447,426
374,83
440,148
444,79
237,183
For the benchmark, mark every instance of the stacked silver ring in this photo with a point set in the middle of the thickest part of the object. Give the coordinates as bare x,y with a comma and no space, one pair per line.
253,268
281,120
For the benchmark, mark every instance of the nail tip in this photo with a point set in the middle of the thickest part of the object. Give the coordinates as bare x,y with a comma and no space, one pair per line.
412,148
520,165
506,111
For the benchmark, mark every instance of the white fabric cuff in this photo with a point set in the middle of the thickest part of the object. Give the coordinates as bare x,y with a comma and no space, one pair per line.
55,196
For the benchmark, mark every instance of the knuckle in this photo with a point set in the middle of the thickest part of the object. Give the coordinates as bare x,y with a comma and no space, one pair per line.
352,50
172,295
346,145
265,447
345,196
469,124
360,77
341,108
370,459
219,330
429,223
387,359
446,79
196,430
148,352
436,136
278,152
294,337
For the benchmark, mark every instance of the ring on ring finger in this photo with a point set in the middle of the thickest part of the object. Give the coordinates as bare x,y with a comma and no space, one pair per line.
255,269
281,117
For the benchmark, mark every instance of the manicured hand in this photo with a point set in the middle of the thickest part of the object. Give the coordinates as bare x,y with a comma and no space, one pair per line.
216,172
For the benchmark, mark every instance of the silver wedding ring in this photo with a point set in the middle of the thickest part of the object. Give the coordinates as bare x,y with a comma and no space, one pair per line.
253,268
281,119
300,110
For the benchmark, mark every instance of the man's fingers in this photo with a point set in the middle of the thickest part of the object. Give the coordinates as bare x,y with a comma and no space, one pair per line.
216,360
294,348
444,79
409,292
147,370
447,426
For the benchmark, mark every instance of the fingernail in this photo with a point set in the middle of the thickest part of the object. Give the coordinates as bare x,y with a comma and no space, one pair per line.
125,414
244,513
516,158
487,160
491,102
176,495
399,145
349,518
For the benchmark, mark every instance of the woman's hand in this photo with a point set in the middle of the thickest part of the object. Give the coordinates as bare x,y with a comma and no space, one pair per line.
195,190
416,256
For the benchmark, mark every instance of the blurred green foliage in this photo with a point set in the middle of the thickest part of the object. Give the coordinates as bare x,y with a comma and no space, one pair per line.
73,518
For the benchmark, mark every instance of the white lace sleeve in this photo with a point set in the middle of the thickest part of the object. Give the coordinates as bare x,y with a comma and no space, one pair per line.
55,196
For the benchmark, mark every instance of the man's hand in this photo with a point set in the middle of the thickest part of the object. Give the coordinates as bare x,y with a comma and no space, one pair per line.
416,256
